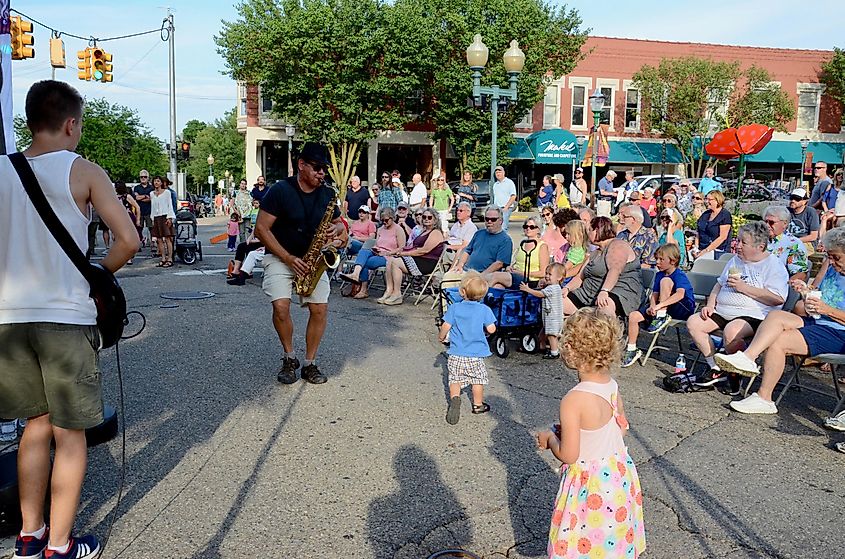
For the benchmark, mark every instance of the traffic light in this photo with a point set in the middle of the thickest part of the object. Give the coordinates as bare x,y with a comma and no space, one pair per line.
186,150
84,64
21,39
57,53
100,65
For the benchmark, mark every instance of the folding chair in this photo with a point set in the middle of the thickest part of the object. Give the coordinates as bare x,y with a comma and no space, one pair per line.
710,267
794,380
427,288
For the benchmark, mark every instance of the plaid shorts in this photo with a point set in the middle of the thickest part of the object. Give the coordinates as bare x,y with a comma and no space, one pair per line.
467,370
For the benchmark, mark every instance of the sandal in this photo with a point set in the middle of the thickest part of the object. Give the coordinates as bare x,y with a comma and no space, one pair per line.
350,279
483,408
168,264
160,265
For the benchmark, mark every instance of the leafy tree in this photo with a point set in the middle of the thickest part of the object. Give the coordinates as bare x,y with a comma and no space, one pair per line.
340,70
549,37
222,140
689,99
833,76
114,138
192,128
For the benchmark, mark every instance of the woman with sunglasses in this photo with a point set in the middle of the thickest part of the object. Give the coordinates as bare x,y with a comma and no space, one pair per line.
360,230
442,199
670,203
673,233
418,260
389,238
530,260
714,228
698,205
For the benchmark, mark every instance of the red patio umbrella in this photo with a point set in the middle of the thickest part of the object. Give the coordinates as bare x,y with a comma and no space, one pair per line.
731,143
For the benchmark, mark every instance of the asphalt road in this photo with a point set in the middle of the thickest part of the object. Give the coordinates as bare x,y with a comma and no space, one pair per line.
222,461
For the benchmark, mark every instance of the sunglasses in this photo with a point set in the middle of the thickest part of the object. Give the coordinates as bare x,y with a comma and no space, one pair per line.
317,166
668,200
697,198
526,226
771,222
819,167
796,199
427,217
491,219
441,180
547,214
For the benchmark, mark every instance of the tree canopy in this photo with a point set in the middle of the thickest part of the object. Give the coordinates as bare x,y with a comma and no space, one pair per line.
833,76
689,99
114,138
220,139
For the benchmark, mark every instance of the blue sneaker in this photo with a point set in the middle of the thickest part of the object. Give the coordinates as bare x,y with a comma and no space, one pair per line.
86,547
657,324
30,547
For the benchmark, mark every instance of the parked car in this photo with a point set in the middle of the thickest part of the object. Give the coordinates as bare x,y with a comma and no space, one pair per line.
482,199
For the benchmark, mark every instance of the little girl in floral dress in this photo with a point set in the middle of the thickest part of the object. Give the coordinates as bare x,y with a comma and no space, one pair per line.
599,504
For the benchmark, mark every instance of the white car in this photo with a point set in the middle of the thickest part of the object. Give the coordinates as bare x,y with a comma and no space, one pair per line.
653,182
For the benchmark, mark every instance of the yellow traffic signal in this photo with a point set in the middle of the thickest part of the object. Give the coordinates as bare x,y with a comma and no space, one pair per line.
100,65
22,41
84,64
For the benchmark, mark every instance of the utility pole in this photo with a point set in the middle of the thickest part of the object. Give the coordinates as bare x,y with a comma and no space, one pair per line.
172,67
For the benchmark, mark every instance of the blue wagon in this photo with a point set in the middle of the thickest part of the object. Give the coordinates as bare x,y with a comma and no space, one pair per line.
518,317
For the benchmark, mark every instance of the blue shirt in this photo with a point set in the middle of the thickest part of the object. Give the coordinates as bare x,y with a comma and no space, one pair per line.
468,319
484,249
832,287
686,306
707,184
545,195
682,244
606,185
502,192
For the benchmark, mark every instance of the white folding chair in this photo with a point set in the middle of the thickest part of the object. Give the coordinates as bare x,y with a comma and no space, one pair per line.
710,267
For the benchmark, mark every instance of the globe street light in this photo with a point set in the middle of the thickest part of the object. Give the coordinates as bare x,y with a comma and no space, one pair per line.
579,141
514,59
804,143
596,105
210,162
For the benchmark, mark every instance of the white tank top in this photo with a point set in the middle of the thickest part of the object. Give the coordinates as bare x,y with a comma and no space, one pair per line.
38,282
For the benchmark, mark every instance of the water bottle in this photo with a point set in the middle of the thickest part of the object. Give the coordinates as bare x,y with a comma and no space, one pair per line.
681,364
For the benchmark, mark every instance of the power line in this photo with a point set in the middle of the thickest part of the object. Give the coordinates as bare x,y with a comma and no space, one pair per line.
178,96
163,31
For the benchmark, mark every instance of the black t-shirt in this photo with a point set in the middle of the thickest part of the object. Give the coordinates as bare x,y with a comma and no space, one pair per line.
257,193
297,213
355,200
146,207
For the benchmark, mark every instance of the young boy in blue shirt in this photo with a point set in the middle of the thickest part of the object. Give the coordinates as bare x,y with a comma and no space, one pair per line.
671,297
465,323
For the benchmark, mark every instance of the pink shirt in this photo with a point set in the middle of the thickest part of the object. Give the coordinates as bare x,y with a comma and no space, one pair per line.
649,206
553,239
233,228
386,238
362,228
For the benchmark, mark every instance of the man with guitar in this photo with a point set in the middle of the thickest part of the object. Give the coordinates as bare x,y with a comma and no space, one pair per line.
48,365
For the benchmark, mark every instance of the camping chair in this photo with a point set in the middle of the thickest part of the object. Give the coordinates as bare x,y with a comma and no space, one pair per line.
794,380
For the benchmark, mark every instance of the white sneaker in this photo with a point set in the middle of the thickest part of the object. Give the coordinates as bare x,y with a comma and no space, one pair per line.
737,363
754,404
837,422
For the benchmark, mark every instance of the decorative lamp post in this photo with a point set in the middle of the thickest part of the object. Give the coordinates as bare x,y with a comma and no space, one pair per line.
290,130
226,175
804,143
210,162
597,101
579,142
514,59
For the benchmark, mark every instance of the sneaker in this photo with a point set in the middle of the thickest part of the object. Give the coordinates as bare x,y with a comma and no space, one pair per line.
837,422
550,355
310,373
840,446
754,404
658,324
711,377
737,363
86,547
453,413
30,547
287,374
631,357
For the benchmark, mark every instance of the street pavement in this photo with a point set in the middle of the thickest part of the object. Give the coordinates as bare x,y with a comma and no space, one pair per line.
223,461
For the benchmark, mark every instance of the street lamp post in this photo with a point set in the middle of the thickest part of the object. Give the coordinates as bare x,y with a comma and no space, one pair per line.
226,174
596,105
514,61
579,141
210,162
290,130
804,143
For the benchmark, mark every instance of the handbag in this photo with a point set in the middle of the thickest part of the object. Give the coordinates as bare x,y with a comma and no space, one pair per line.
104,290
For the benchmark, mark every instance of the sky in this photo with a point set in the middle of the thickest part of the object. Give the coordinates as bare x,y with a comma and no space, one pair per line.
203,92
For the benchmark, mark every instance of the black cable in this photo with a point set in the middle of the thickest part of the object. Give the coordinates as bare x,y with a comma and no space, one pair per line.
92,39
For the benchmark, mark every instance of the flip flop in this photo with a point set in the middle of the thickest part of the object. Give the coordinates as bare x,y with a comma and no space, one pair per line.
350,279
160,265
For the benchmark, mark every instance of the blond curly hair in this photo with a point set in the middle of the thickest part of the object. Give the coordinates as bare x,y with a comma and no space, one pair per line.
591,340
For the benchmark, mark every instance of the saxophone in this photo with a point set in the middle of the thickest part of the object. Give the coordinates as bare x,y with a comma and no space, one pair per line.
321,254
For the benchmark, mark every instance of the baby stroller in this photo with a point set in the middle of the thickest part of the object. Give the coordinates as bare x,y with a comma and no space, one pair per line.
186,245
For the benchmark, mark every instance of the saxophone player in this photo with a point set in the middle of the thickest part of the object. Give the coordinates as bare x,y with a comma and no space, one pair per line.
290,216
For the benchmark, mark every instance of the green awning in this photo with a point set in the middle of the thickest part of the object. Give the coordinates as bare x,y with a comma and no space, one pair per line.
520,150
625,151
553,146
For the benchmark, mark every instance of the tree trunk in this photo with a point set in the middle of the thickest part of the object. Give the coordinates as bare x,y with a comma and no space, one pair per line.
344,159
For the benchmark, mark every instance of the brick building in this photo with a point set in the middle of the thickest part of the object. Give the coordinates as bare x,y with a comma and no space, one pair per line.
564,114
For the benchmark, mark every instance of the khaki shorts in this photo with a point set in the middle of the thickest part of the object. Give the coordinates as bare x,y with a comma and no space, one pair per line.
51,368
278,282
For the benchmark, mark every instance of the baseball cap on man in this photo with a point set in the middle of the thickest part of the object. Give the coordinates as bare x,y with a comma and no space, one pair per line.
500,168
799,193
396,180
402,205
364,208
